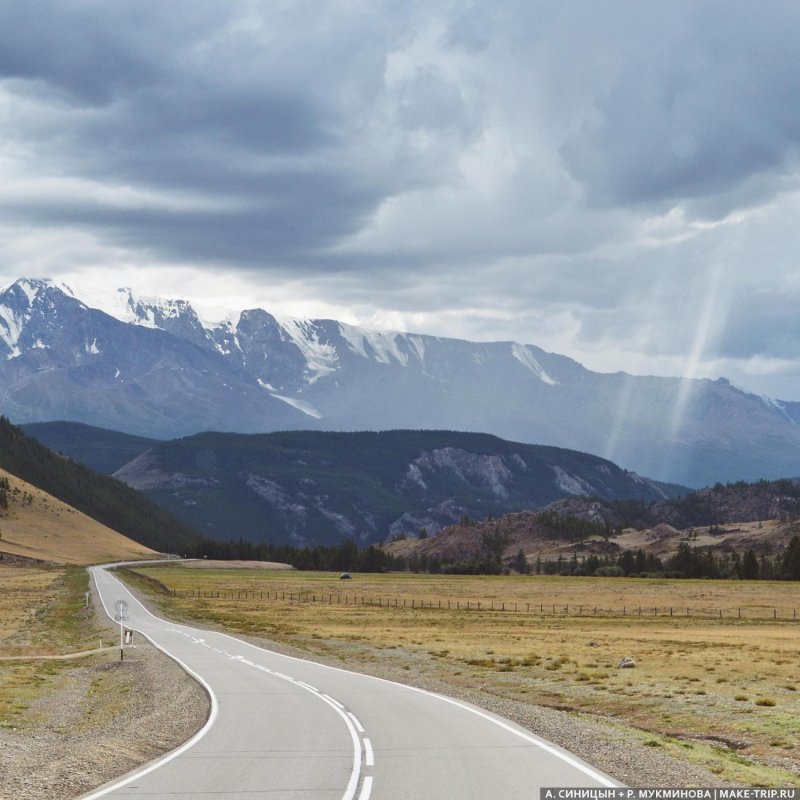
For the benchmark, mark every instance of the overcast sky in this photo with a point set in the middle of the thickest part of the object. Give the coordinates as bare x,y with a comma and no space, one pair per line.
615,181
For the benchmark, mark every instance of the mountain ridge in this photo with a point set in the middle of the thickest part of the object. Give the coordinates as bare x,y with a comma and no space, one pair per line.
157,370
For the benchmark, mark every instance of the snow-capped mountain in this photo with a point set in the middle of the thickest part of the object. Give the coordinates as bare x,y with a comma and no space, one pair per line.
151,366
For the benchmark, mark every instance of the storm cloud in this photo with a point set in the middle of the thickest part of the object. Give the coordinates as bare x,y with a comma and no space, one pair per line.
617,181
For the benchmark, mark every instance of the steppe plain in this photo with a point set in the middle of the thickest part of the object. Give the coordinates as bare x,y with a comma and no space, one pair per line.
720,692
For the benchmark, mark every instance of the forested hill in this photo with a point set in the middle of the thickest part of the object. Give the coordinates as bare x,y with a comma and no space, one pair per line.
312,487
97,448
103,498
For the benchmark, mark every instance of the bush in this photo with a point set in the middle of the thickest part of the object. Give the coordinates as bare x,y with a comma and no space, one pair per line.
610,572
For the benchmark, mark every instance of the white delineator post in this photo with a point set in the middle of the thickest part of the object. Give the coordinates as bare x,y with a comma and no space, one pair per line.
121,608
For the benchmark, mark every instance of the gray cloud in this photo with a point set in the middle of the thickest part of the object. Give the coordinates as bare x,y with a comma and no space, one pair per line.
494,170
700,104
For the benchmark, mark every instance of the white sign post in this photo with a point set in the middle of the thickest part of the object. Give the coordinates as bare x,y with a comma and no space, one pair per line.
121,608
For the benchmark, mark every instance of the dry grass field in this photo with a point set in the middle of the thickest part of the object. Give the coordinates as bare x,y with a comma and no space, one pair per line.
723,693
67,726
37,525
42,607
42,611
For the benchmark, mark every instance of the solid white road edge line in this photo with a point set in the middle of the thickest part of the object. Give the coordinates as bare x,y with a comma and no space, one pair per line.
328,697
212,717
528,737
359,726
366,788
355,773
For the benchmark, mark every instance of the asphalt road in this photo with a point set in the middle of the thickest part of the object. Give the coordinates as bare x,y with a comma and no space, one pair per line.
281,727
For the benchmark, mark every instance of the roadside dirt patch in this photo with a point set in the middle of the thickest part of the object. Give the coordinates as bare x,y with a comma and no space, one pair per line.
97,719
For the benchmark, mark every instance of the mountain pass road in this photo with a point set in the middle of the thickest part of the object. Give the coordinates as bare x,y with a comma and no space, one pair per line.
282,727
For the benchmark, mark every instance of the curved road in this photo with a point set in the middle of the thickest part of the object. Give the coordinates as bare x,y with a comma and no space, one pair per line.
281,727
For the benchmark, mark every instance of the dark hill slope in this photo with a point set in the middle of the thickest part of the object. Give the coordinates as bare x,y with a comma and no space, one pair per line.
314,487
98,496
97,448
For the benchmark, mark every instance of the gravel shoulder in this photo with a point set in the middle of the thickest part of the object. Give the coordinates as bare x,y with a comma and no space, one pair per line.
104,718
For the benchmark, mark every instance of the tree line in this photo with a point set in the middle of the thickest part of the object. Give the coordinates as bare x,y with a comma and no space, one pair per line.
344,557
688,562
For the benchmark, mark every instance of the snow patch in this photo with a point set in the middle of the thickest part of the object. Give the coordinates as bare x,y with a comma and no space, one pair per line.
321,358
123,305
10,330
776,405
375,345
32,286
526,358
92,348
300,405
418,343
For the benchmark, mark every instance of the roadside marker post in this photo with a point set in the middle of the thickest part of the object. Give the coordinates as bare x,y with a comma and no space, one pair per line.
121,615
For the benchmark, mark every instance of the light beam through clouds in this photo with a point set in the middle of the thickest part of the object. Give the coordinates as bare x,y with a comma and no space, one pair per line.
551,173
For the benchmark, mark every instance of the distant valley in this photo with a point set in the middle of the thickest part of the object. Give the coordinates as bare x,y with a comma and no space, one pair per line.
152,368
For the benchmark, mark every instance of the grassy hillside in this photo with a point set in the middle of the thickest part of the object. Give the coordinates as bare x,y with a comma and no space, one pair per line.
37,525
104,499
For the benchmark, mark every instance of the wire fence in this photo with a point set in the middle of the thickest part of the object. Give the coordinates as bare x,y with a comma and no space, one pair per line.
542,609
